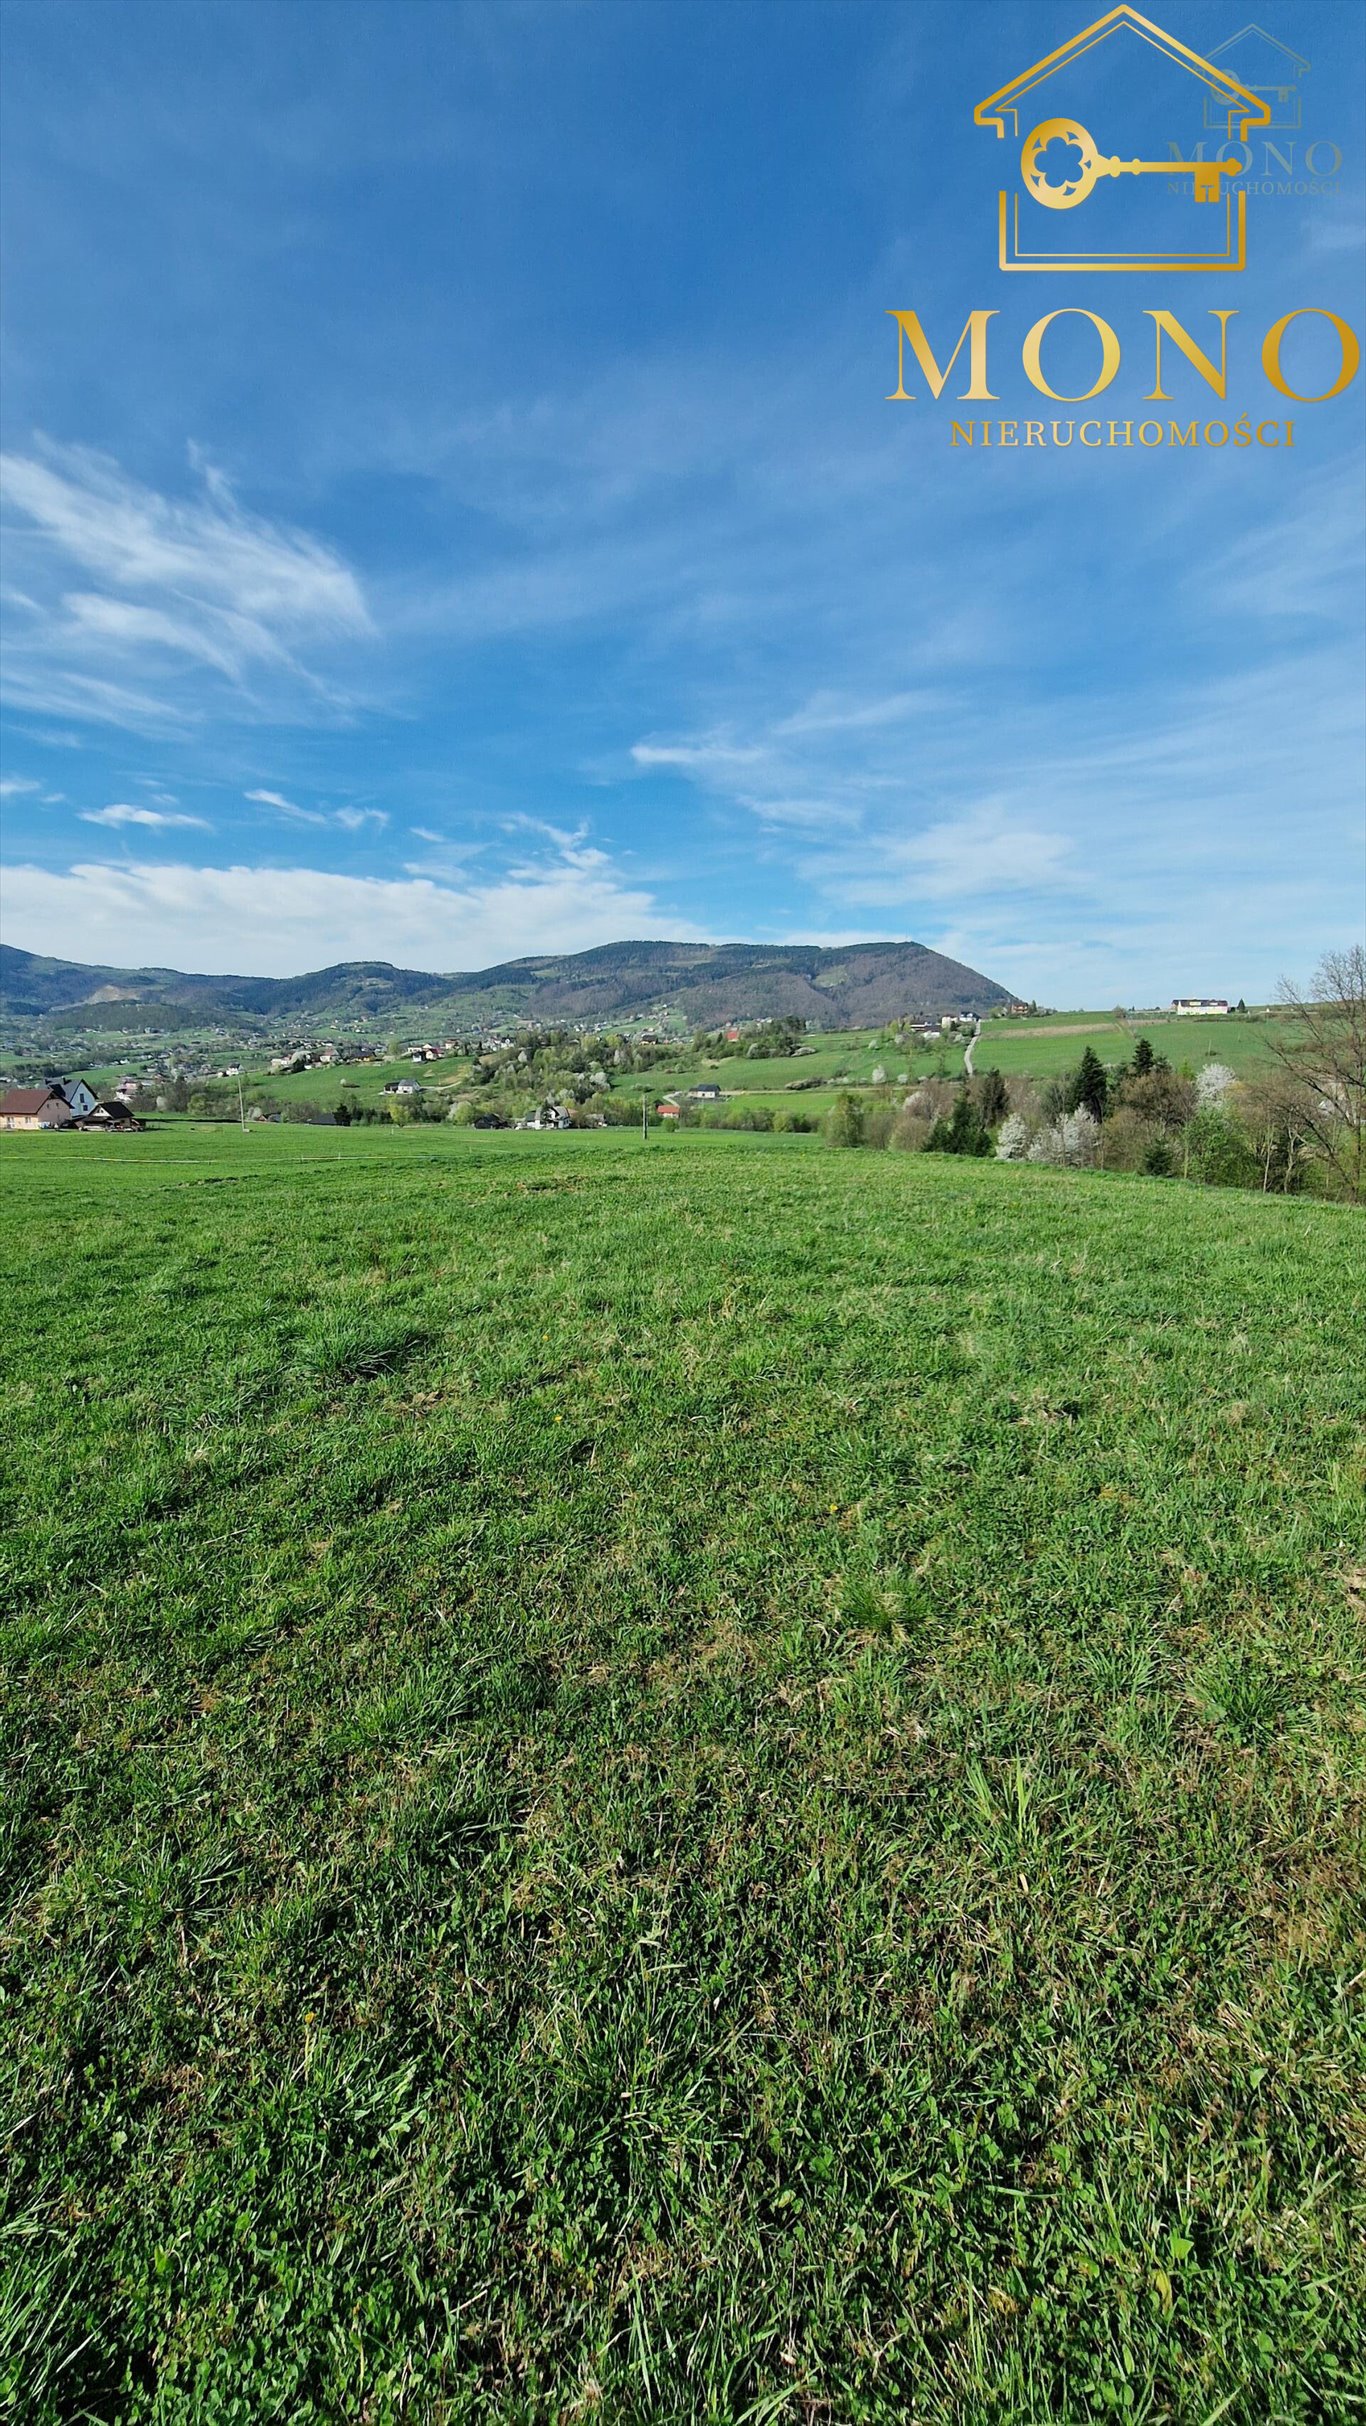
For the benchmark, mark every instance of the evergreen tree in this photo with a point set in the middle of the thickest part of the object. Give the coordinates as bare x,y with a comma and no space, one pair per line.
1089,1090
964,1132
1143,1058
993,1100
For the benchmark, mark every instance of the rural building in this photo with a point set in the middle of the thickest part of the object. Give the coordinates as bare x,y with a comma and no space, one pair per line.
35,1108
668,1109
111,1115
1200,1006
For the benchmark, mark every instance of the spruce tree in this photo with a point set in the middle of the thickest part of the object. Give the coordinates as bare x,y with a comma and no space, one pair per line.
1090,1088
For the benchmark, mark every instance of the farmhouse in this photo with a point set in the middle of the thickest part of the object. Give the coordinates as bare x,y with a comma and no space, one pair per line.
1200,1006
114,1114
668,1109
35,1108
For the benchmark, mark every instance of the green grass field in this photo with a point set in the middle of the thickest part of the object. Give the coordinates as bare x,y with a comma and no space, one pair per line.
704,1781
1045,1049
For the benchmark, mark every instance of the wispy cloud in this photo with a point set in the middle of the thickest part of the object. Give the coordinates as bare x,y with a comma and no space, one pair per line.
355,820
708,757
169,592
288,808
13,786
988,851
126,813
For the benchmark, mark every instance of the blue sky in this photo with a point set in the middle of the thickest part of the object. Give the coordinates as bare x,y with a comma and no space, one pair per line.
452,508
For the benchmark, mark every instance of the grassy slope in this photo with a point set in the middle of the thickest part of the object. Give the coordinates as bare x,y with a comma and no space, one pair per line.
1044,1051
717,1781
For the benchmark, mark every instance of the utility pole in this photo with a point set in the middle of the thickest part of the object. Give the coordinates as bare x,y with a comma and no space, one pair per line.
644,1118
241,1103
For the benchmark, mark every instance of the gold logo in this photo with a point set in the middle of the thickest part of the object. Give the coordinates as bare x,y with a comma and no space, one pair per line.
1062,168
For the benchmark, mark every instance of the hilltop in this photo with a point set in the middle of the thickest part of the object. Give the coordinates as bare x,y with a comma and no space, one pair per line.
845,987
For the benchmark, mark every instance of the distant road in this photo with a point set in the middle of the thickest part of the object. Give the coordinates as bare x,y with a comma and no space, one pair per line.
969,1049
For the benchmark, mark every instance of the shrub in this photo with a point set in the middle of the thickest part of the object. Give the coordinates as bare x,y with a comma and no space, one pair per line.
910,1131
1126,1138
1163,1097
1012,1144
964,1132
844,1122
1218,1152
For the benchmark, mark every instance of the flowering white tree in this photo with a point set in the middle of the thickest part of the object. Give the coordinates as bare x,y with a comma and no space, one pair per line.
1012,1140
1071,1141
1212,1084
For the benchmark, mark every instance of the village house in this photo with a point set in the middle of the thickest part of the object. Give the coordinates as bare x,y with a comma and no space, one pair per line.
1200,1006
113,1114
35,1108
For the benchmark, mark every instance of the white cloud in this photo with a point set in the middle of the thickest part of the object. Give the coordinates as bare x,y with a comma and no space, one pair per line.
983,852
171,593
425,834
829,712
13,785
353,821
278,921
124,813
711,757
288,808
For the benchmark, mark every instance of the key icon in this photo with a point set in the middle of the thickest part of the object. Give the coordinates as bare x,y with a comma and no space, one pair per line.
1060,165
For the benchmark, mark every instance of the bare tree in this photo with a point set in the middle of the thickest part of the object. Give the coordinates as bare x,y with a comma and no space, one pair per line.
1324,1059
1270,1110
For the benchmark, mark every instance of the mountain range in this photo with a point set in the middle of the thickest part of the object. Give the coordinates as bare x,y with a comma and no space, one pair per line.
848,986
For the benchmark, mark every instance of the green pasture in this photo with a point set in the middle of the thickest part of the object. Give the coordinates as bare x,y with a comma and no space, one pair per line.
1026,1048
705,1780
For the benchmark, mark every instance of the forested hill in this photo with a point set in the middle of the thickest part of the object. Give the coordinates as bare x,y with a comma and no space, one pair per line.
847,987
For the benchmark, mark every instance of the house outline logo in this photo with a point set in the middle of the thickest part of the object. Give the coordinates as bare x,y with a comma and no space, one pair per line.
1214,187
1281,91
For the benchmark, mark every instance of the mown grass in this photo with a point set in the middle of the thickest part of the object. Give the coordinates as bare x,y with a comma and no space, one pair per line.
713,1781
